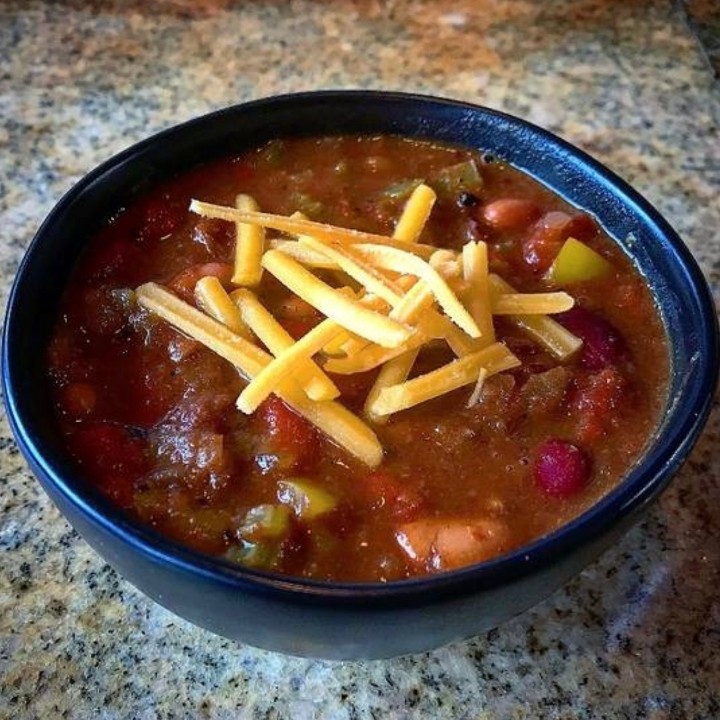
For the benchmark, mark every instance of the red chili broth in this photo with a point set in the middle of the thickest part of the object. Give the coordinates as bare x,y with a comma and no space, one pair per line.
150,414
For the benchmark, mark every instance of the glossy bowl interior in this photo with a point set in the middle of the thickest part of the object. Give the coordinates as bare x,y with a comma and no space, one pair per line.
367,620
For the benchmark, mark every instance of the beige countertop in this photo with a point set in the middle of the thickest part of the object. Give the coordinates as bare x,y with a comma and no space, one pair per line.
637,634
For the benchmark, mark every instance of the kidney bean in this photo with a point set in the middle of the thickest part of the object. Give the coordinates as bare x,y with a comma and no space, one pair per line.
561,469
545,240
603,346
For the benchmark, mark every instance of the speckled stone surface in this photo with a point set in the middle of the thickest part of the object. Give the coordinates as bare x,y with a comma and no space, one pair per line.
637,635
704,20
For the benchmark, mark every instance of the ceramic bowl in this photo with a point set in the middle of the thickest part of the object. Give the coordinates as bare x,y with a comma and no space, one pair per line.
368,620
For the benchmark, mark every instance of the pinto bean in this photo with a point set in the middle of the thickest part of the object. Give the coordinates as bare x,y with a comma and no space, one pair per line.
510,214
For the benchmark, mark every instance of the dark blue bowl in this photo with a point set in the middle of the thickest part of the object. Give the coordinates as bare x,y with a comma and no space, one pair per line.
340,620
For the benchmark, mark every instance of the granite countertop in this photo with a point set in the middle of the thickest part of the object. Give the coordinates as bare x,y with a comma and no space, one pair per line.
637,634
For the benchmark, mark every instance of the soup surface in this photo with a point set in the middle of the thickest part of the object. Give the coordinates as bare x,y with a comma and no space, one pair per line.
150,413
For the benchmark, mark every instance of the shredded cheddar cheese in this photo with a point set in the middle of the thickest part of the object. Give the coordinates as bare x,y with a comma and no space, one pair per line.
274,372
393,372
416,214
558,341
274,336
298,226
211,297
336,421
463,371
389,258
531,303
344,310
411,295
249,246
357,268
475,273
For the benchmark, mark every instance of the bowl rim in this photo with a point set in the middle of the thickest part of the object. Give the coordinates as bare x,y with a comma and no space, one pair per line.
644,482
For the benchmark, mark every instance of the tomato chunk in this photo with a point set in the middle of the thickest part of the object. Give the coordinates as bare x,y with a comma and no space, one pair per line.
597,402
286,440
383,490
550,232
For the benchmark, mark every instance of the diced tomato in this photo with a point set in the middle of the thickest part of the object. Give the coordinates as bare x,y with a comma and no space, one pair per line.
287,435
385,491
213,235
183,284
108,450
596,403
543,244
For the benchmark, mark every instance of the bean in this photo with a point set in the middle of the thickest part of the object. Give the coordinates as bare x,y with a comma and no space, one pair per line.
510,214
561,469
603,346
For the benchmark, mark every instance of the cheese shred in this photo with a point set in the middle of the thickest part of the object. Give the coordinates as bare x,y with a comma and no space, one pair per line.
404,296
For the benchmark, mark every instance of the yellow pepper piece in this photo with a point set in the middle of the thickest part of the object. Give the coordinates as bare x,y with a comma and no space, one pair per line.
577,262
305,498
264,522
